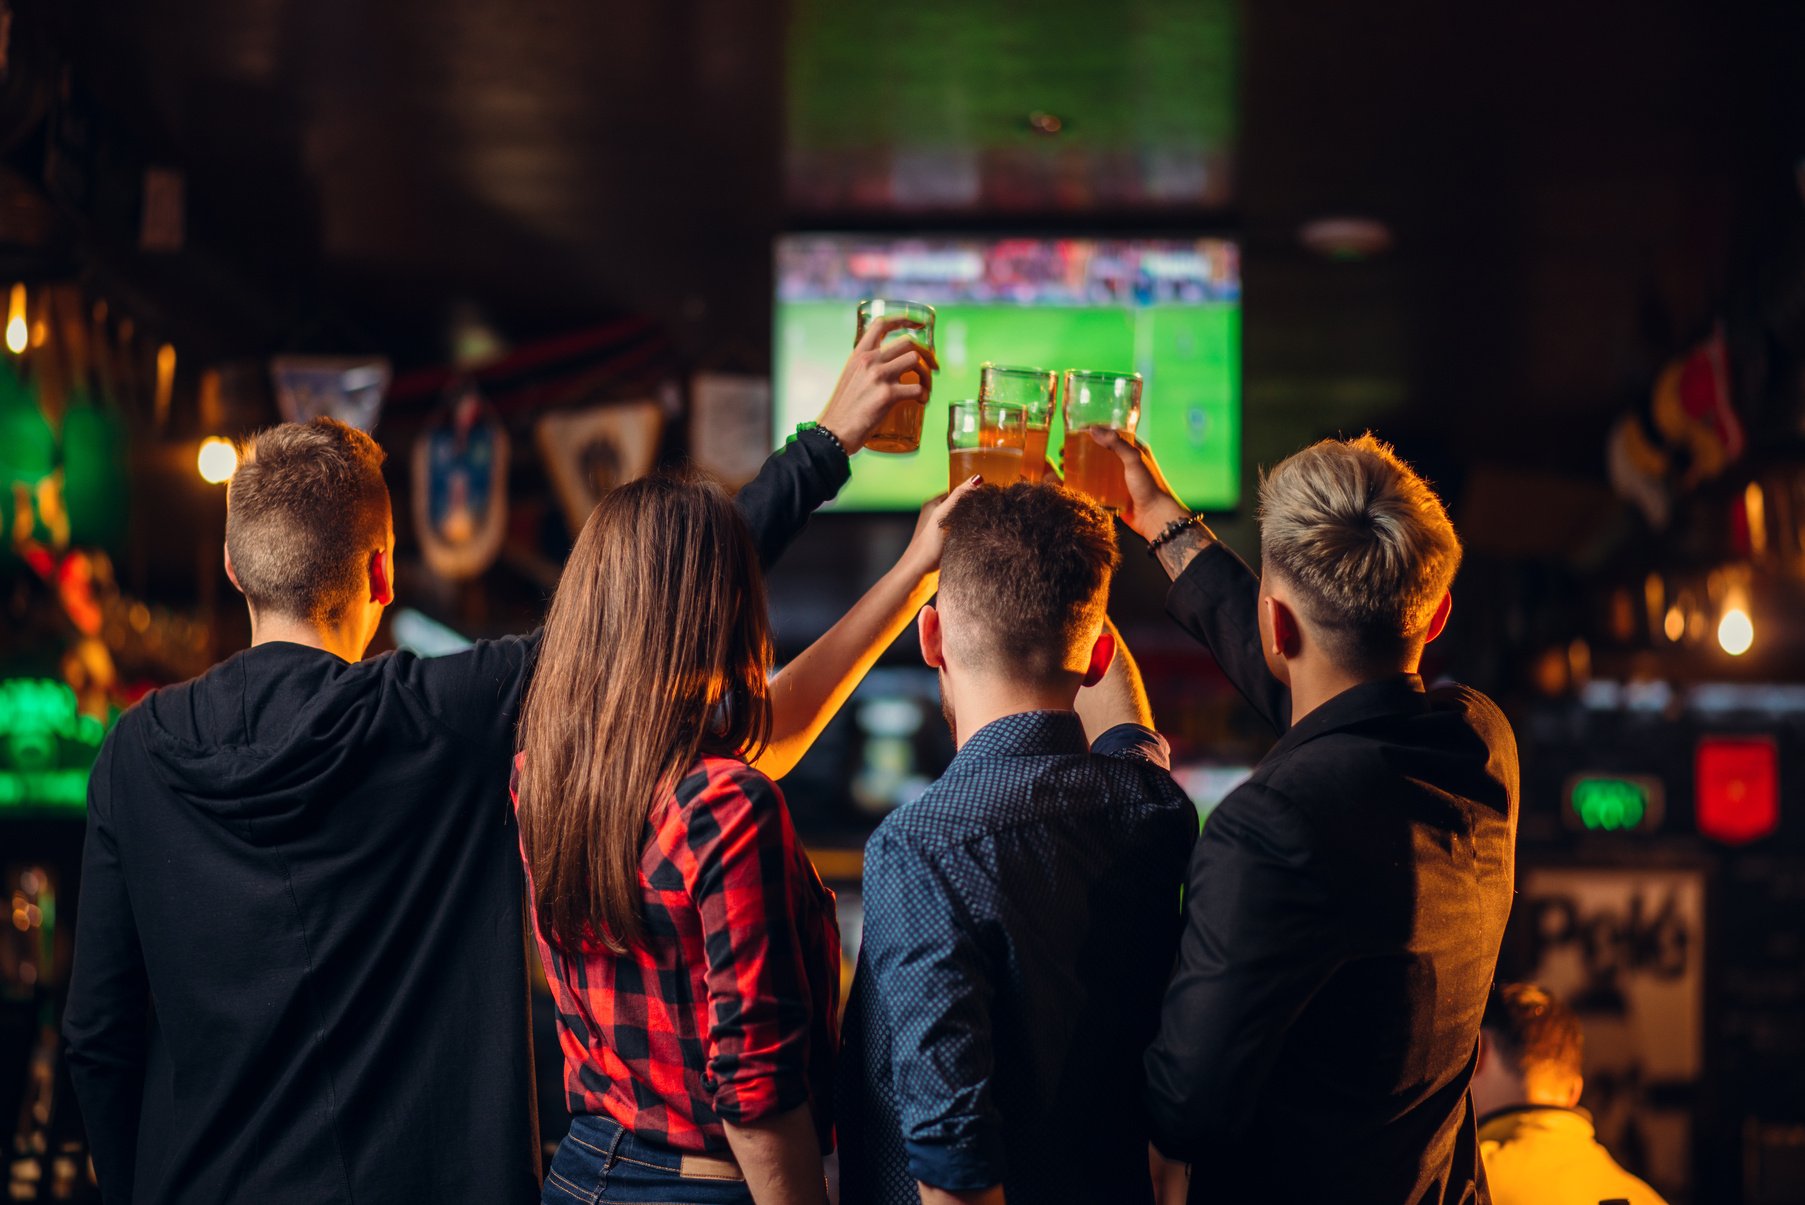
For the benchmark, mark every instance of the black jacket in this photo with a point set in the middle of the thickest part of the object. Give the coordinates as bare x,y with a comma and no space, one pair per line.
1343,916
299,966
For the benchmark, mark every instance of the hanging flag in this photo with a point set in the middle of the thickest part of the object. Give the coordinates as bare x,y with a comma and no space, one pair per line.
589,452
460,485
348,388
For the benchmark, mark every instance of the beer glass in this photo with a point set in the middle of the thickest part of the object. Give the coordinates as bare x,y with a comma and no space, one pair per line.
1099,399
900,429
984,438
1033,390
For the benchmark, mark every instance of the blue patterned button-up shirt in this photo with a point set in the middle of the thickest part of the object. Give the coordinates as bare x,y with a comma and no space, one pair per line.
1020,922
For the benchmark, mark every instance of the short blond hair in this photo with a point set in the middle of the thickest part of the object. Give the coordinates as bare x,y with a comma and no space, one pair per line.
1365,541
304,511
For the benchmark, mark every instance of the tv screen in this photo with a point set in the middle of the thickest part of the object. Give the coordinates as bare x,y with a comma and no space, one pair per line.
1167,308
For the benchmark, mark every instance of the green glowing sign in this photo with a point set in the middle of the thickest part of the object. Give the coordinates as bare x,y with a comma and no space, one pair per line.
1614,804
46,746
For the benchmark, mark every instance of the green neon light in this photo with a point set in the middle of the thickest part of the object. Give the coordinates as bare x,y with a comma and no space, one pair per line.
51,790
1610,804
46,746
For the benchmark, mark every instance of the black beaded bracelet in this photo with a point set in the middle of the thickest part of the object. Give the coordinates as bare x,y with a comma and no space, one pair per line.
801,427
1171,530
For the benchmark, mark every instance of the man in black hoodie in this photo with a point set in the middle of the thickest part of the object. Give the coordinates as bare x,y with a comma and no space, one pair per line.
299,969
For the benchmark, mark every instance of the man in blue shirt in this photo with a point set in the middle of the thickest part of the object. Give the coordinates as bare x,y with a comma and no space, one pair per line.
1021,917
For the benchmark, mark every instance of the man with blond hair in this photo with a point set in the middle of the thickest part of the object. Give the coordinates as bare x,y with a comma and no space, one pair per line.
1345,905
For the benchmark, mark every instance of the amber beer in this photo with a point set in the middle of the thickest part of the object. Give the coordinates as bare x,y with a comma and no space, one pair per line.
998,466
1095,471
1034,450
983,438
1099,400
900,429
1033,389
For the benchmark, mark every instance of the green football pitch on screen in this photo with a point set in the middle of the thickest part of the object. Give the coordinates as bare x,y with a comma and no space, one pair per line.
1188,354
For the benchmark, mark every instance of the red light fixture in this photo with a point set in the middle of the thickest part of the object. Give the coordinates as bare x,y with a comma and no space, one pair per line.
1737,786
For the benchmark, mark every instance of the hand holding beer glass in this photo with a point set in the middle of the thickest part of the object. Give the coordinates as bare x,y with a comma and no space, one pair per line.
900,429
1110,400
1032,389
984,438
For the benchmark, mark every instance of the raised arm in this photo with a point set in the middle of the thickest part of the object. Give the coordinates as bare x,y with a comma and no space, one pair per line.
809,470
1214,595
811,689
1120,698
105,1021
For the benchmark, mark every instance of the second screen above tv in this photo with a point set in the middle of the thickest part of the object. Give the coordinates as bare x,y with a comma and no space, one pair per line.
1167,308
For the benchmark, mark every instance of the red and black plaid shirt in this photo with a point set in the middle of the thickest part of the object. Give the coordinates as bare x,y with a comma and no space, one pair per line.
730,1012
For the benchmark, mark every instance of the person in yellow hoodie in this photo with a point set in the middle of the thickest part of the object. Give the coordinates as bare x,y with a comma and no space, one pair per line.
1536,1142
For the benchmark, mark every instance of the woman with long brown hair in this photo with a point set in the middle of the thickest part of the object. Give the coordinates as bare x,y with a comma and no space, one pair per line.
691,948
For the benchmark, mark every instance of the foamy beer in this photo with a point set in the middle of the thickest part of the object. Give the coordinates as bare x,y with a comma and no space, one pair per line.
984,438
1033,390
900,429
1099,399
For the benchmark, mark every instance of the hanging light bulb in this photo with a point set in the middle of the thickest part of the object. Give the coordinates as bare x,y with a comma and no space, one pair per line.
217,461
18,335
1735,631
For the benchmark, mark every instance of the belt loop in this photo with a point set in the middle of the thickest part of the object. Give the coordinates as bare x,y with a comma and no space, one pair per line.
620,1132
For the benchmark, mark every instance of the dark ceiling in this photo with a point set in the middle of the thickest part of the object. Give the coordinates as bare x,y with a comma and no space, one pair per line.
1571,187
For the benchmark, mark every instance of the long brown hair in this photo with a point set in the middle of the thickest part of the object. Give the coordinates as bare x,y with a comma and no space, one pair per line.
656,651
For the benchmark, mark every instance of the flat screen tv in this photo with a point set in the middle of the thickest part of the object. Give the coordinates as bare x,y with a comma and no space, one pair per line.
1168,308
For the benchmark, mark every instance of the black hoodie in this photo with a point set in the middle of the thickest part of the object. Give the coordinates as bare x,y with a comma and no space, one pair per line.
300,970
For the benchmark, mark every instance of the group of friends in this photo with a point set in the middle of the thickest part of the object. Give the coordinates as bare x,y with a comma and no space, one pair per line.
306,903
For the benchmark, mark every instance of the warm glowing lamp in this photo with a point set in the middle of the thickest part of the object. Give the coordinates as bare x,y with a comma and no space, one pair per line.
218,460
1735,631
18,335
1675,623
1754,507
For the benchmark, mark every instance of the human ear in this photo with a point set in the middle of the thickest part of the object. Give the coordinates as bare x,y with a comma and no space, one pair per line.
1102,653
231,573
382,585
927,624
1287,636
1439,620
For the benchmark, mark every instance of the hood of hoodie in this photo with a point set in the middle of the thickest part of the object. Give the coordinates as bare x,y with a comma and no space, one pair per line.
269,733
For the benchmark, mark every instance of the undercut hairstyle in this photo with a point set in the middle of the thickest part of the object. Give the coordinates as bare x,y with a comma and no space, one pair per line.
304,511
1364,541
1026,572
1534,1031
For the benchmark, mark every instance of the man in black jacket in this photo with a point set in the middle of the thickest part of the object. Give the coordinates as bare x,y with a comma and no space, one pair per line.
299,970
1346,904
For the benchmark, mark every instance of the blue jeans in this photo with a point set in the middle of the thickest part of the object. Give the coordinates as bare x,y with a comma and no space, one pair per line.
599,1161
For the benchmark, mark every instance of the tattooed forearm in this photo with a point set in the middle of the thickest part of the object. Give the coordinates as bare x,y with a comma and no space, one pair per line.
1179,551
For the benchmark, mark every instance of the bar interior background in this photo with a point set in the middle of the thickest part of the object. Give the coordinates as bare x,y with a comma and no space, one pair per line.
1556,254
